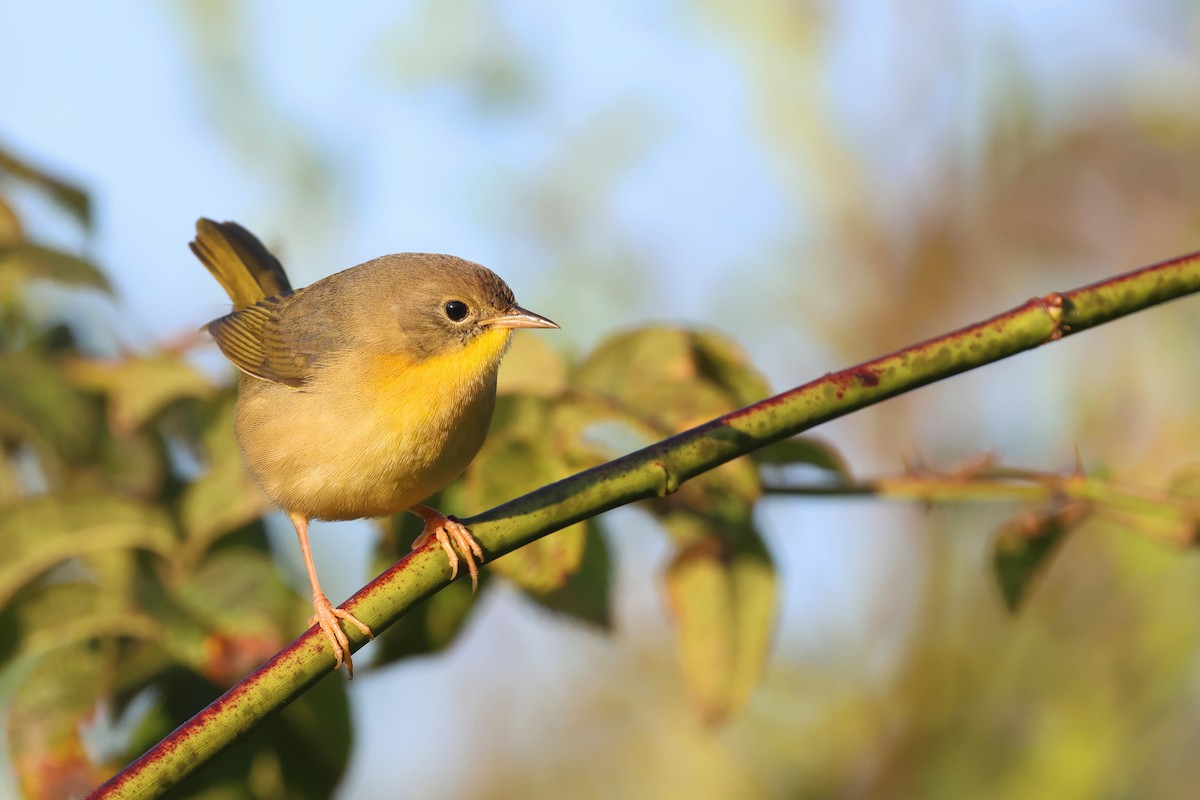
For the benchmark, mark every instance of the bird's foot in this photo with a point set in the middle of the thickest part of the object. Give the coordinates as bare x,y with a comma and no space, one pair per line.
451,535
328,618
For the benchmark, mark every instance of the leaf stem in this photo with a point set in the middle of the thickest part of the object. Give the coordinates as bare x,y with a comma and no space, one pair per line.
1011,484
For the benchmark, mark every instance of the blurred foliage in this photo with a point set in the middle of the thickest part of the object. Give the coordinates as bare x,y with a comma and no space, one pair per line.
135,573
980,166
136,583
136,579
934,694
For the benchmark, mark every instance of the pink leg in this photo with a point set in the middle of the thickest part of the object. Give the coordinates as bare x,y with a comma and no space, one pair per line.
327,616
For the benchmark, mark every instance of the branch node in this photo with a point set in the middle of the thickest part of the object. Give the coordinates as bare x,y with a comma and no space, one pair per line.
1053,304
670,481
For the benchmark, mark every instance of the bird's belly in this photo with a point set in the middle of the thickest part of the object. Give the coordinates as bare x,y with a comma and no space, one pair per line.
331,454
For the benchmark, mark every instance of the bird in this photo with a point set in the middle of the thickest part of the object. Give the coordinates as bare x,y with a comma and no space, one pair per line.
363,393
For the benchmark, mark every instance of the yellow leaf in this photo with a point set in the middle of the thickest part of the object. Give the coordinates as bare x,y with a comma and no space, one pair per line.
723,600
702,604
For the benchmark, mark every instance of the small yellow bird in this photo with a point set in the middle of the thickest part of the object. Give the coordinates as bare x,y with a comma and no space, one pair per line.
364,393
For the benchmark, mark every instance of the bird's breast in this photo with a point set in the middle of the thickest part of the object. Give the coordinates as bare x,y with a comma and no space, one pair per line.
370,434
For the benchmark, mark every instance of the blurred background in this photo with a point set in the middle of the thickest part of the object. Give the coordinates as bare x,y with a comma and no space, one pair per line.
821,182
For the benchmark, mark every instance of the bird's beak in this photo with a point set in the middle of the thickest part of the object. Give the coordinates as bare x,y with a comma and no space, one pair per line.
517,317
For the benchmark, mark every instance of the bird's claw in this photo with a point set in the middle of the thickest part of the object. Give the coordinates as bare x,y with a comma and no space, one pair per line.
451,535
328,617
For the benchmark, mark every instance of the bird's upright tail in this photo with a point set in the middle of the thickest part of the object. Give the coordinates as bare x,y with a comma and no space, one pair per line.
241,263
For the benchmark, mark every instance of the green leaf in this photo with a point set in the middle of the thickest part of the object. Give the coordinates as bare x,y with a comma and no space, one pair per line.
804,451
68,196
756,593
22,262
517,417
580,428
546,564
139,387
652,375
532,367
726,364
231,615
585,595
631,359
723,601
52,616
134,465
38,534
560,428
726,492
38,404
224,498
512,462
1024,546
675,377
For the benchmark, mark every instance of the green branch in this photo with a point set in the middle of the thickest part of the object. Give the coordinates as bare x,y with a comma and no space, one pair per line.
651,472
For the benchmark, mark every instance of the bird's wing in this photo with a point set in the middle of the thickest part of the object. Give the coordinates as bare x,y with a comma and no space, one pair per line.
257,344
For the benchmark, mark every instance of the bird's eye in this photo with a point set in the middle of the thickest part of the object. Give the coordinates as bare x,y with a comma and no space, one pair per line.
456,310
